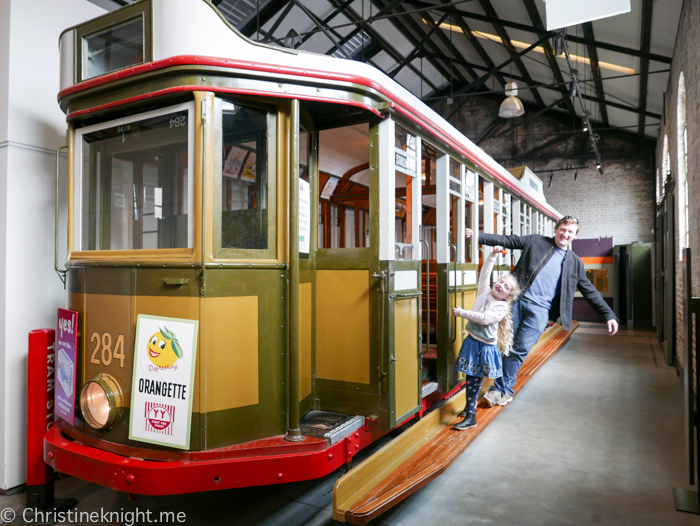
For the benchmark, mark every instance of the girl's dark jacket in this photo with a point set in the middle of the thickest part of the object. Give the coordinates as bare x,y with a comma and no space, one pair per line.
537,250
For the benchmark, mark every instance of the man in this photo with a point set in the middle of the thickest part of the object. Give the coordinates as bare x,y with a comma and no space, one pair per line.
548,275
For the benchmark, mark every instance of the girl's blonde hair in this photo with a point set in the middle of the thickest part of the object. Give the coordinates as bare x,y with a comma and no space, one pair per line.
505,326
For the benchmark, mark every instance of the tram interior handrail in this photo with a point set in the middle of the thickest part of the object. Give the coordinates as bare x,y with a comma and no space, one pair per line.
60,271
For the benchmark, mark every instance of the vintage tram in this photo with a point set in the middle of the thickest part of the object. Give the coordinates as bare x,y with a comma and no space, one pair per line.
306,211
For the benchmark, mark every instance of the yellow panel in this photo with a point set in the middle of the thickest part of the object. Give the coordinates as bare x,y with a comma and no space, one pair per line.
406,354
342,325
231,345
305,371
174,307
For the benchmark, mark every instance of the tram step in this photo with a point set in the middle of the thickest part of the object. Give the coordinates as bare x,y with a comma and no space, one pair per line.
426,449
429,388
334,427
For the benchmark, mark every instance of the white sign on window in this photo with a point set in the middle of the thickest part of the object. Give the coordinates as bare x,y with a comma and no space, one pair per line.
163,381
304,217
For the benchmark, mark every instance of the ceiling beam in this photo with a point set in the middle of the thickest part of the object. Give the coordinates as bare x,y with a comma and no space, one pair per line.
262,17
409,29
476,44
280,19
534,14
597,79
481,80
418,47
355,17
454,51
501,31
571,38
319,23
647,12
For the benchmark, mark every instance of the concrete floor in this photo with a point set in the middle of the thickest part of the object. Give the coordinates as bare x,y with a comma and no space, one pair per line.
596,437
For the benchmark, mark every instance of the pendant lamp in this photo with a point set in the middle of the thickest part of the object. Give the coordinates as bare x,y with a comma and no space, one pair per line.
511,106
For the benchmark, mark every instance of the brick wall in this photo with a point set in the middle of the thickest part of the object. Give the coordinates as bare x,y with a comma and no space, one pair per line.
685,61
619,203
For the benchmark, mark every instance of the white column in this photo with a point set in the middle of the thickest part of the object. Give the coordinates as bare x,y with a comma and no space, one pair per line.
461,217
517,226
488,207
417,205
32,127
442,210
387,190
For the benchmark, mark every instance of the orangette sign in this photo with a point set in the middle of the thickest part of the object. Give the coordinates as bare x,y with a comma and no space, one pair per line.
163,380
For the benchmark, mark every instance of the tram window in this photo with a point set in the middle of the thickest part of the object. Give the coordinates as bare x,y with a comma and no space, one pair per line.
244,217
343,187
115,48
405,165
134,186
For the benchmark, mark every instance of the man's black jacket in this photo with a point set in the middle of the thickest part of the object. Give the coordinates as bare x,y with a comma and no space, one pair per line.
537,251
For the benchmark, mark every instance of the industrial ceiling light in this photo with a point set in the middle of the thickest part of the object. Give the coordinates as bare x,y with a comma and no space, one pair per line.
512,106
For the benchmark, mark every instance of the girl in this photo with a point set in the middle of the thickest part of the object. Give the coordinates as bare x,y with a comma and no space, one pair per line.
489,322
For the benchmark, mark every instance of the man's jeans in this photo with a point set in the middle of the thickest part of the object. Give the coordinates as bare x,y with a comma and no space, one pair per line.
529,322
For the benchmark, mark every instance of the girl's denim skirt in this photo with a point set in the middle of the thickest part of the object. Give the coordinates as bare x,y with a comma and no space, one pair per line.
480,359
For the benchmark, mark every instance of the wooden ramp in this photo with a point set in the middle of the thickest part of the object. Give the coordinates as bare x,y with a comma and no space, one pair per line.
426,449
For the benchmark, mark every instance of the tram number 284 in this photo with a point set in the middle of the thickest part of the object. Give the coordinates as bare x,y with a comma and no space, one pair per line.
103,353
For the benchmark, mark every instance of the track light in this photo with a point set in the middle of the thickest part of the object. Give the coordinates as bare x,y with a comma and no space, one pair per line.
551,180
576,176
573,88
559,42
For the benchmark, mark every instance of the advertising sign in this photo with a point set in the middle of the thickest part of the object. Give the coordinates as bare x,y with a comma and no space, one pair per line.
66,346
163,381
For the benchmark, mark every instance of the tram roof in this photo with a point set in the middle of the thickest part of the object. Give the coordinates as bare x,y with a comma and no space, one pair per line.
187,32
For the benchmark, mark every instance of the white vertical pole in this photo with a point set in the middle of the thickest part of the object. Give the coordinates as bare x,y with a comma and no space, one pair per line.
442,212
488,207
517,226
475,221
417,205
461,217
387,190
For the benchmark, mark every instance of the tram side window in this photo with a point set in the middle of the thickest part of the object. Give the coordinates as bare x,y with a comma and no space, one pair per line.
244,218
343,187
405,159
134,185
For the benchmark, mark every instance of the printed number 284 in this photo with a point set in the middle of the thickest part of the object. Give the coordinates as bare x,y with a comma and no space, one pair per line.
104,343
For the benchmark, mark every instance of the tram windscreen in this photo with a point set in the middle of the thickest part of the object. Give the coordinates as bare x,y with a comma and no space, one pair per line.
244,178
134,187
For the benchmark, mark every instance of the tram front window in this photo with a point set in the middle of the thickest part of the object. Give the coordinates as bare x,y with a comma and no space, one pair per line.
244,221
134,189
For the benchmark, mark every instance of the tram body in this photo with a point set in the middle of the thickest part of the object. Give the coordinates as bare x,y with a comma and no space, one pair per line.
190,149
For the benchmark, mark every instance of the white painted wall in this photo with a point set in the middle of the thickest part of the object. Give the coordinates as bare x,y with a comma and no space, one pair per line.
32,126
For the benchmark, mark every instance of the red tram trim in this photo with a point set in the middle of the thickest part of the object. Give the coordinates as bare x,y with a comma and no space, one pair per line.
151,477
419,119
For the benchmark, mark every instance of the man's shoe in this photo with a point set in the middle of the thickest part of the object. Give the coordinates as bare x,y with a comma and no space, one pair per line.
467,423
493,398
504,399
496,398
